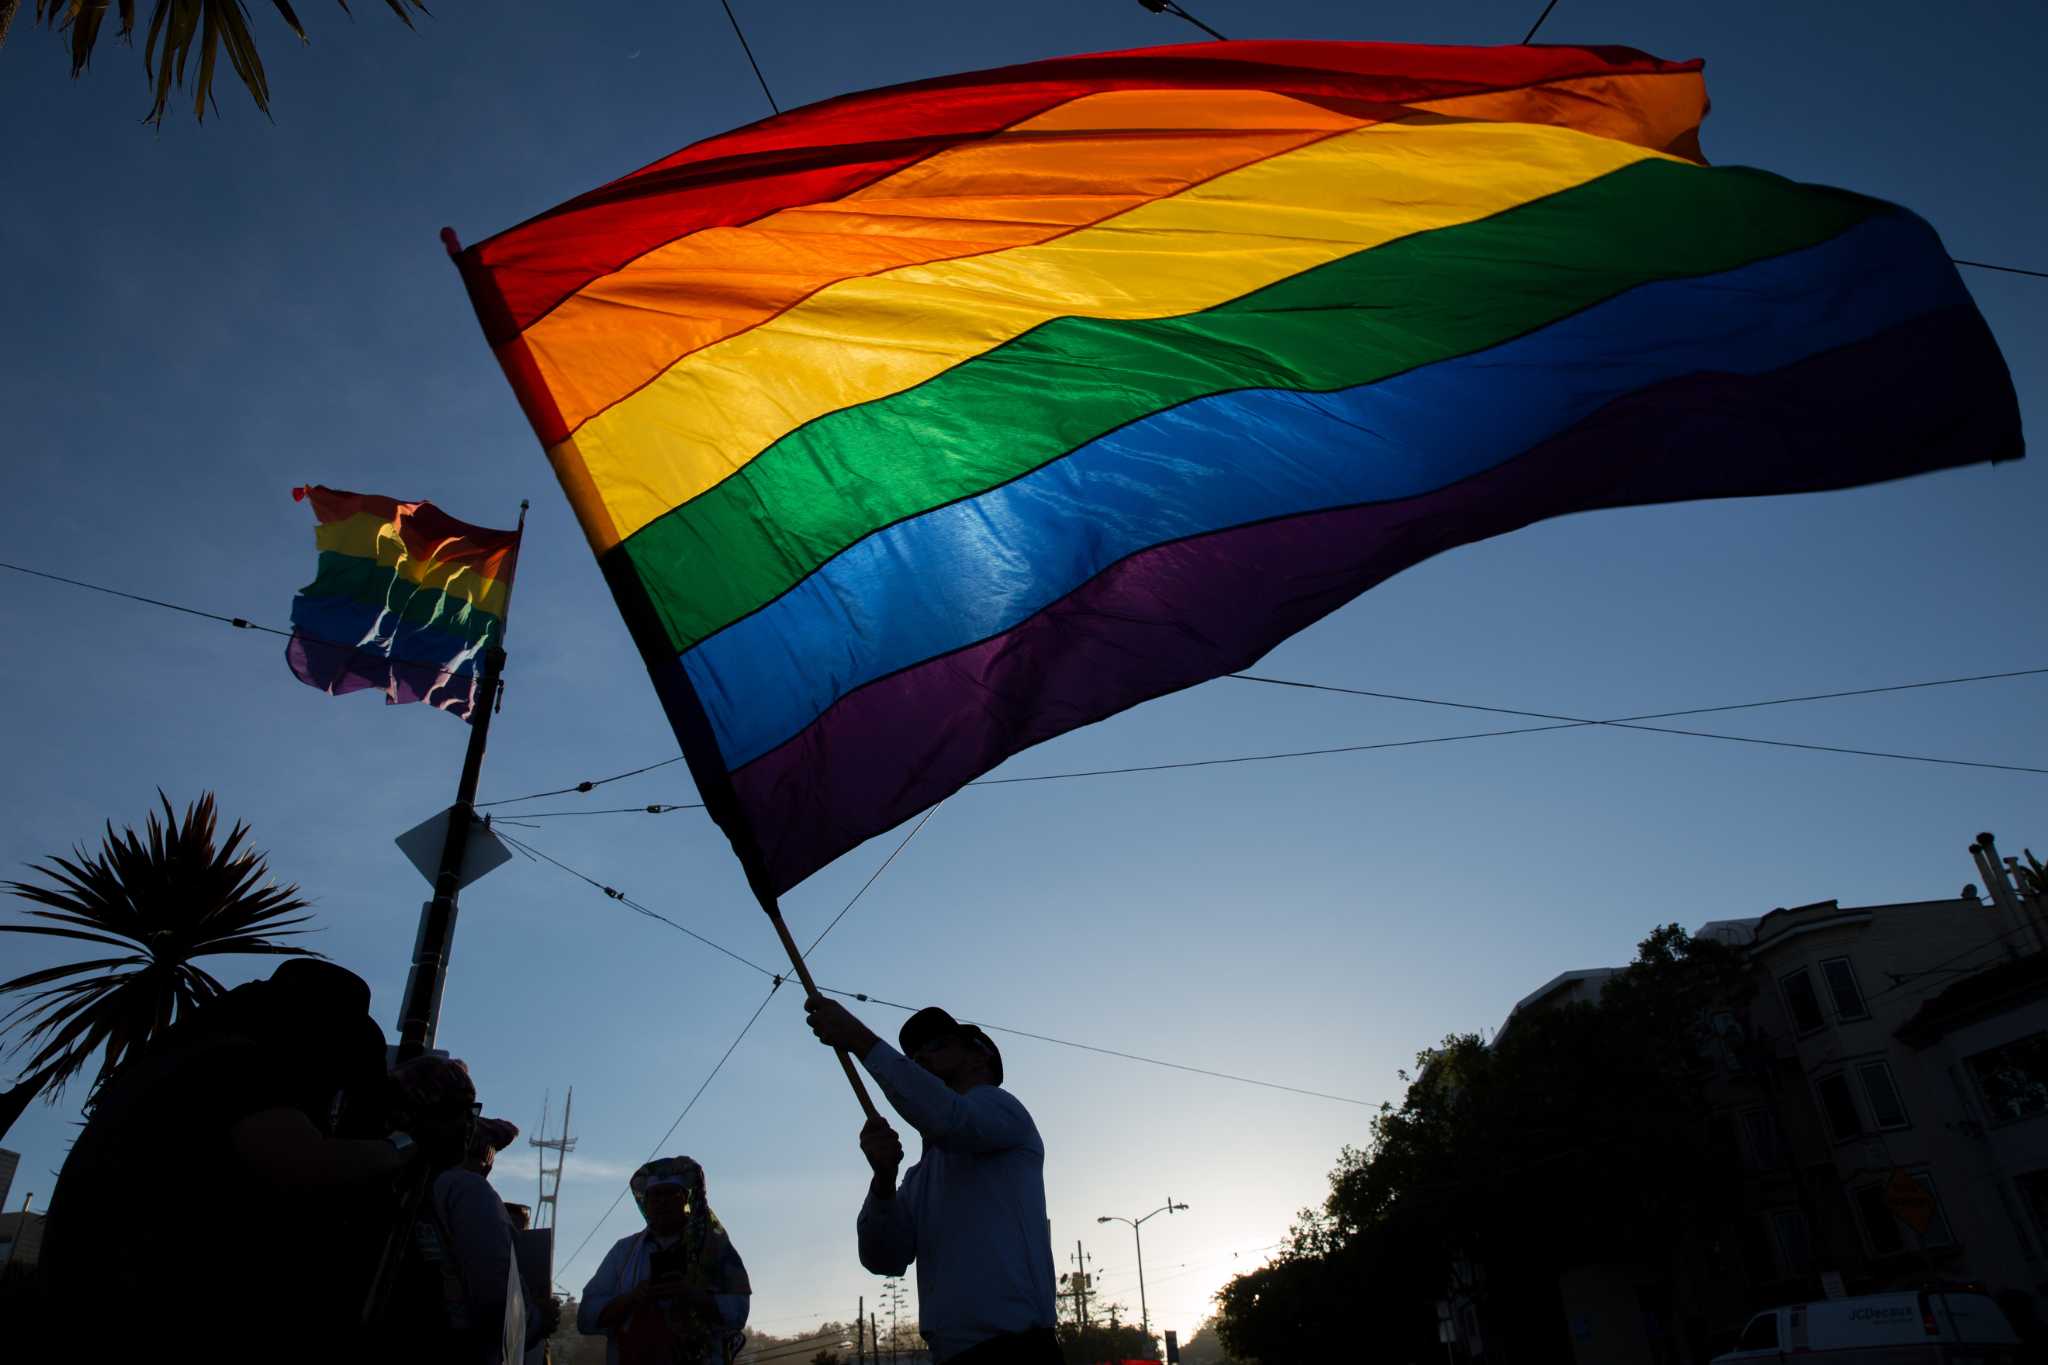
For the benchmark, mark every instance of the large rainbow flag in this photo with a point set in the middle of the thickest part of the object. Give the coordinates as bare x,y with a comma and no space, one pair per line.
407,600
924,424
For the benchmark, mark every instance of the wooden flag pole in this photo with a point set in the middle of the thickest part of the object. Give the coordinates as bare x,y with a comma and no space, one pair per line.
803,974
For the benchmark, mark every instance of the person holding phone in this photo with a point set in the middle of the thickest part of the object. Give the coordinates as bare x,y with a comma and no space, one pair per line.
675,1293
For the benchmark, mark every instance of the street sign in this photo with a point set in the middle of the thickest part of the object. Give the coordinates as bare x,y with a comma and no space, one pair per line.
483,853
1909,1202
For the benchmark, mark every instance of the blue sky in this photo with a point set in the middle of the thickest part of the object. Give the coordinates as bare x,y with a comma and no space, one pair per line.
194,319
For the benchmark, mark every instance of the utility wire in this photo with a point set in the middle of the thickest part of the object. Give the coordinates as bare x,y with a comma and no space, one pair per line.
1173,7
2008,269
238,622
1651,715
1993,941
871,879
622,898
748,48
716,1068
1564,723
586,785
1629,722
1111,1052
659,808
612,894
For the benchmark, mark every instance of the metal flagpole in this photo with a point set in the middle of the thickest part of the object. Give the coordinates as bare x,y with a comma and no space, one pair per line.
419,1015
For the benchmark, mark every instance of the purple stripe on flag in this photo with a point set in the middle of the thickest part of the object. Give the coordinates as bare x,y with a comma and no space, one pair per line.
1181,613
337,668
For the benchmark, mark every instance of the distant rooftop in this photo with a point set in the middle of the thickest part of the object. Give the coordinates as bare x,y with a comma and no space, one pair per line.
1736,933
1586,981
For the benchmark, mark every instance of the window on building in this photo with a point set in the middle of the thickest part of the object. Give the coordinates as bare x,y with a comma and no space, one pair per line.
1880,1229
2021,1229
1795,1243
1938,1233
1801,1000
1760,1140
2013,1078
1841,979
1839,1106
1885,1109
2033,1192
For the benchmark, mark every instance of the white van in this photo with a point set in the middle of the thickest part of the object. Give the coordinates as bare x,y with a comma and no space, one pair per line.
1948,1327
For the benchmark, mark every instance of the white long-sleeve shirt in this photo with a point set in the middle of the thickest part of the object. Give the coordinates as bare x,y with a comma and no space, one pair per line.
628,1263
970,1213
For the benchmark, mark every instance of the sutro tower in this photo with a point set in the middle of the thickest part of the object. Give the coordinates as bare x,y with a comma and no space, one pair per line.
544,1206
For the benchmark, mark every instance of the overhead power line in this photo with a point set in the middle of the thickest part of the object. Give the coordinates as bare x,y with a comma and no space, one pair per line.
611,893
1631,722
590,784
1173,7
934,810
1562,723
718,1066
2008,269
1111,1052
238,622
748,48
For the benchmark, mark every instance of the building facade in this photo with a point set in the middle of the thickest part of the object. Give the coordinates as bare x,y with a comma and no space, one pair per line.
1885,1089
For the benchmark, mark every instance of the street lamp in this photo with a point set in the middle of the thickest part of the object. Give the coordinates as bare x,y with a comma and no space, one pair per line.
1144,1315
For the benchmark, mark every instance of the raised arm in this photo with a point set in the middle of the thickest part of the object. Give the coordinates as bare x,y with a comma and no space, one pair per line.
985,1119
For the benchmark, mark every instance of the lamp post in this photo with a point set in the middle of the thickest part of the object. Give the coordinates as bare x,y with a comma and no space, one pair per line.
1144,1314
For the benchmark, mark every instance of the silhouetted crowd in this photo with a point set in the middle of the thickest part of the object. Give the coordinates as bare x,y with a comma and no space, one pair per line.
263,1183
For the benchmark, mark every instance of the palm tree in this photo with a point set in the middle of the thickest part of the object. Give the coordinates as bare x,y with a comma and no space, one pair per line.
167,900
176,29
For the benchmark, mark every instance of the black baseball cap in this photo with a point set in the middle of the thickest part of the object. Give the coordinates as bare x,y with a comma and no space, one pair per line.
932,1022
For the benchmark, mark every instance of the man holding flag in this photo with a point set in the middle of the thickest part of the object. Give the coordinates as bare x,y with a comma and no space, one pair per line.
971,1211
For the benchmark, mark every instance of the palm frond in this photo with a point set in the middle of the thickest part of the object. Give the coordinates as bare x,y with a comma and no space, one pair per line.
176,29
33,979
170,893
62,933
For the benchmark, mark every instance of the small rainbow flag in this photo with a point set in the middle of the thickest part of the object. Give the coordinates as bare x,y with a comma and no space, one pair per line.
922,425
407,600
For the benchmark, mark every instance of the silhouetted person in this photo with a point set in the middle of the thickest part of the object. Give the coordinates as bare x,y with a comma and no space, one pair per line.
492,1137
461,1299
971,1212
675,1293
218,1167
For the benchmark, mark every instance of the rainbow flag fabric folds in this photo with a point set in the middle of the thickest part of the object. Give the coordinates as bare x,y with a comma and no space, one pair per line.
924,424
406,601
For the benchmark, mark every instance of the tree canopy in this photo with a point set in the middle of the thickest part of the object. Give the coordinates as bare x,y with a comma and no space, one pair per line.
1580,1134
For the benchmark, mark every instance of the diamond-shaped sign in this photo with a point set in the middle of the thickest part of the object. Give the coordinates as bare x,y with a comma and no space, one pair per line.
423,843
